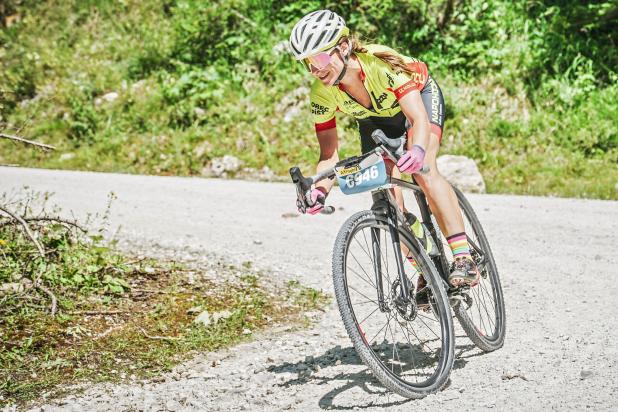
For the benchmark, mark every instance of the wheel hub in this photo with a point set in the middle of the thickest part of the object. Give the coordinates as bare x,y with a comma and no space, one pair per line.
407,310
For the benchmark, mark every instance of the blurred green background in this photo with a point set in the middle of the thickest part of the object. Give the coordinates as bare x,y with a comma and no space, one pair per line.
164,86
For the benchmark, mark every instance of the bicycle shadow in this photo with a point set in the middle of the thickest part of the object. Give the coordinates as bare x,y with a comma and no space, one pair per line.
364,380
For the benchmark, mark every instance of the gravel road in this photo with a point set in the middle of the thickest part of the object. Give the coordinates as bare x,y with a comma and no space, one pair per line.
556,256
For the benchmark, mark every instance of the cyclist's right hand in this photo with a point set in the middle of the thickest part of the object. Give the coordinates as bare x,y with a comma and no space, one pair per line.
318,198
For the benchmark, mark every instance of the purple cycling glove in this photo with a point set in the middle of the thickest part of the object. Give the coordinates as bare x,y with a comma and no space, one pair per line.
412,160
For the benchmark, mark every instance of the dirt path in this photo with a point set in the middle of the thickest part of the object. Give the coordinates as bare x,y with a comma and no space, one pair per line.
556,256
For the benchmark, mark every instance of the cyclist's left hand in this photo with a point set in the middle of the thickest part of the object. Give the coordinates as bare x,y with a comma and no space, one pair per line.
412,160
318,198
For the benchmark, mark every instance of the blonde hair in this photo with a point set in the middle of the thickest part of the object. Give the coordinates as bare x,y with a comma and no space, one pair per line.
393,60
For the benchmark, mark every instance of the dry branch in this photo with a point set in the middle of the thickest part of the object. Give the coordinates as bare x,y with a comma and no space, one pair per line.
159,337
244,18
98,312
22,140
49,293
65,222
24,224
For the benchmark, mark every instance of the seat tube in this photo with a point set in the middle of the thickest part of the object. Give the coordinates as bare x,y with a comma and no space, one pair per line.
441,262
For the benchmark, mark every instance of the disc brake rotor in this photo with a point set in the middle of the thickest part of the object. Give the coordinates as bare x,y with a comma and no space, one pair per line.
407,310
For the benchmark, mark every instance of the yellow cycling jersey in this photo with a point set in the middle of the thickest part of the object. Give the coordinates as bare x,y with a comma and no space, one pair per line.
384,85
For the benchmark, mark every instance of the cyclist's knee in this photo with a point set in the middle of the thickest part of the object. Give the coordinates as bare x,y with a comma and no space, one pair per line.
430,179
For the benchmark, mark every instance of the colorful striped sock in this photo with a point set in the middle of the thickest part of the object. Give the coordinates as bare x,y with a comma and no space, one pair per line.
459,245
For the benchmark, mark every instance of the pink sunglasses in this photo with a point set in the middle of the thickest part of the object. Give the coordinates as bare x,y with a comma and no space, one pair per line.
320,60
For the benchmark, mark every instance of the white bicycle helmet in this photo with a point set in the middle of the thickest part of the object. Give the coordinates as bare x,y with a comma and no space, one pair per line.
316,32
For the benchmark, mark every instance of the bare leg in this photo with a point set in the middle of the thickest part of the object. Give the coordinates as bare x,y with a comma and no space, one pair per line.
396,191
440,195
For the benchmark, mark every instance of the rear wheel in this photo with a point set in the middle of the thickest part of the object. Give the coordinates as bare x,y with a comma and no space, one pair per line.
480,310
408,345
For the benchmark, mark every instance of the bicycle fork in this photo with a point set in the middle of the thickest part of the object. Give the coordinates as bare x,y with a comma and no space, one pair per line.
384,204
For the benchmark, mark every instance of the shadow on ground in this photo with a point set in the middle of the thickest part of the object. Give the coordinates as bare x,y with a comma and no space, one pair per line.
308,371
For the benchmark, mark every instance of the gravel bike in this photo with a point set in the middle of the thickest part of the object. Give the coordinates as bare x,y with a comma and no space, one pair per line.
390,279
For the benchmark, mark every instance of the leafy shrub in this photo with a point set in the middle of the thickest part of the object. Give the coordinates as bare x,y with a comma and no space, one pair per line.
83,122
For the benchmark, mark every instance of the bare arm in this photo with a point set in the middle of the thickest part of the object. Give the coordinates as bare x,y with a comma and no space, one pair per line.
412,106
328,155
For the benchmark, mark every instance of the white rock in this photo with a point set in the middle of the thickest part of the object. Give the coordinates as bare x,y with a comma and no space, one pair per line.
282,47
292,104
137,86
66,156
585,374
266,173
173,405
110,97
199,112
201,149
224,314
291,114
462,172
11,287
227,163
203,318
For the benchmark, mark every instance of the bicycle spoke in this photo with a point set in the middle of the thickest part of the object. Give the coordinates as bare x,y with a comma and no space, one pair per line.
363,295
361,246
361,267
427,317
376,335
489,295
395,351
362,278
427,326
407,336
420,341
388,320
478,307
367,317
489,317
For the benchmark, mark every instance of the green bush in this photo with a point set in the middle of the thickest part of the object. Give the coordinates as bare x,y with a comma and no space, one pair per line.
198,80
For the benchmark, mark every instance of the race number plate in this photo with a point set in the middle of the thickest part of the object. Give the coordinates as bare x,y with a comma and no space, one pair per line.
368,174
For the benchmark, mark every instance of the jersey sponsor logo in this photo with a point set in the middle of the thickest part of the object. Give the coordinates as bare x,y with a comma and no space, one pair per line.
318,108
379,99
419,73
391,81
435,104
357,114
404,89
348,102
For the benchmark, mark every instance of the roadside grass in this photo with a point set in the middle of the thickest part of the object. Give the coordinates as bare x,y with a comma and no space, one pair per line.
140,333
117,317
529,133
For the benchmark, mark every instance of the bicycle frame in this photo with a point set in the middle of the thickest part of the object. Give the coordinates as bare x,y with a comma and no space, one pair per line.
384,204
440,261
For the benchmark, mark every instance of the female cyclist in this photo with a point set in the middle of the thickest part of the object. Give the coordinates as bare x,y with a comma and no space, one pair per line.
384,90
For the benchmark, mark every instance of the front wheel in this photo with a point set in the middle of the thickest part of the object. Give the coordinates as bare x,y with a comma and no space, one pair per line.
408,345
481,310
